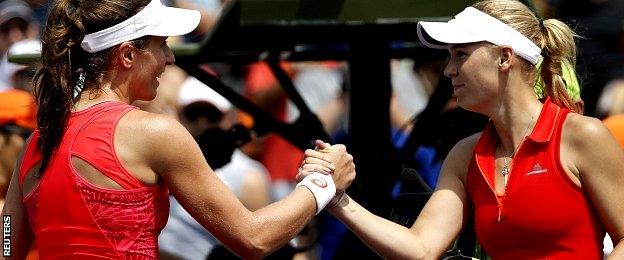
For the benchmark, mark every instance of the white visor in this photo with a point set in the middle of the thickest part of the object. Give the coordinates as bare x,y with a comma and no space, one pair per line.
154,19
472,25
193,90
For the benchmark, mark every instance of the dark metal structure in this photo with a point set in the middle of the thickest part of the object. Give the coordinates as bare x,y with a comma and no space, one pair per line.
365,33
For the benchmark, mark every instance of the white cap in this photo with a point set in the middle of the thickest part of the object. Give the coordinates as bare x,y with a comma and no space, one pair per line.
472,25
193,90
154,19
24,47
8,69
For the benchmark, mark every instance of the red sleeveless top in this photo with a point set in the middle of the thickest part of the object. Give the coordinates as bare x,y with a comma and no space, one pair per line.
543,214
72,218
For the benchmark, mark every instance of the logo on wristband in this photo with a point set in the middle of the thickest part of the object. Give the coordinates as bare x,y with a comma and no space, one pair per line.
319,182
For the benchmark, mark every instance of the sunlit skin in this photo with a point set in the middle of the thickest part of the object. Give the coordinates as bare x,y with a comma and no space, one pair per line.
134,77
473,90
150,64
484,82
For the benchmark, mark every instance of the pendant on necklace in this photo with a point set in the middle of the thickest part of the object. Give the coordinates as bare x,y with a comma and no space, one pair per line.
505,170
505,173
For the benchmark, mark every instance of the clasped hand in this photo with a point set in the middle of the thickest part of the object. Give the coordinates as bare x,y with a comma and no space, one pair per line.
329,159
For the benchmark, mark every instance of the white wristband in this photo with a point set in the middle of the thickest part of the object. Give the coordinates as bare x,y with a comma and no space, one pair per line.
322,187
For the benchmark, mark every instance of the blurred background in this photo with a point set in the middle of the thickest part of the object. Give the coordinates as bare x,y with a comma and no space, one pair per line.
260,80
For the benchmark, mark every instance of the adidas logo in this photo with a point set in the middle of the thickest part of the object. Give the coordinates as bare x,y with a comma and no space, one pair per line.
537,169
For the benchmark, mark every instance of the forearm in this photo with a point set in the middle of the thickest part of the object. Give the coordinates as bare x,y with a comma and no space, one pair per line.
386,238
269,228
21,238
14,214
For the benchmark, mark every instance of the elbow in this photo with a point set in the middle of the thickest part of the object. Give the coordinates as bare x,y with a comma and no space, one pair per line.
255,249
423,255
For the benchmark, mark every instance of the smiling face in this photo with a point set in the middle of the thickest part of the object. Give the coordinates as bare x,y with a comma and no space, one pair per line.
474,71
149,65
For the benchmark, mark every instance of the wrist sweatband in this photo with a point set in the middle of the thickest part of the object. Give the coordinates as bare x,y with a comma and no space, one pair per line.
322,187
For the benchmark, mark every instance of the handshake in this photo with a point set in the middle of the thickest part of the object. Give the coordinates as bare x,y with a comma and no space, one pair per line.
326,171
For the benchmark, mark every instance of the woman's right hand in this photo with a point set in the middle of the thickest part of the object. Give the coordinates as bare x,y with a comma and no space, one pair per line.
326,159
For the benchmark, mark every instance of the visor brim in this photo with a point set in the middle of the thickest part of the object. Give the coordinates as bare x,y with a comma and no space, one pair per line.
175,22
439,35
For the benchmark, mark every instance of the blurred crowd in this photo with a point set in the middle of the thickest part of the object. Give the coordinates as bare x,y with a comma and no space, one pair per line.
259,177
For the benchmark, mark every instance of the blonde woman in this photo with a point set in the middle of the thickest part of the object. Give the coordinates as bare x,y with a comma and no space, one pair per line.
542,181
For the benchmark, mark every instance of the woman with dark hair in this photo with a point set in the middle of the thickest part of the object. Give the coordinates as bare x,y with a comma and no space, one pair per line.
541,181
93,179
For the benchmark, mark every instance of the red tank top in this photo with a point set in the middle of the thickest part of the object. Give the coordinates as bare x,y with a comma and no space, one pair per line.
543,214
72,218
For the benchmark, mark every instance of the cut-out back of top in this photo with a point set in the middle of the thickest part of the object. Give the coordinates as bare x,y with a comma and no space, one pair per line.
121,218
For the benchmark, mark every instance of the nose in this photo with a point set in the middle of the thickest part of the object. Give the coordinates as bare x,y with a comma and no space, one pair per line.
15,34
451,69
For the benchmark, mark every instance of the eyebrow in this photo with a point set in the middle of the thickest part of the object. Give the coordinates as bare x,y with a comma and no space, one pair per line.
459,46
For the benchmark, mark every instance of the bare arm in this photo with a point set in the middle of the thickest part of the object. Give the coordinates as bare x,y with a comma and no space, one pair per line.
437,225
599,161
10,146
173,154
21,235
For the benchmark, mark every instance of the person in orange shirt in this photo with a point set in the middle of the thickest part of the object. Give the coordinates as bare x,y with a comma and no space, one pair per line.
17,107
17,119
615,124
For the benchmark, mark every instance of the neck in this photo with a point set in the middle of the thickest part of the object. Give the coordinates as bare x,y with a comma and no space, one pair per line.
515,116
110,87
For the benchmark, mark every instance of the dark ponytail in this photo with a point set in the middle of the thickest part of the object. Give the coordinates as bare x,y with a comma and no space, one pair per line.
55,80
63,62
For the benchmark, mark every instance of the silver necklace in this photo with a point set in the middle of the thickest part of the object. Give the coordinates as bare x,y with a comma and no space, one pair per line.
505,170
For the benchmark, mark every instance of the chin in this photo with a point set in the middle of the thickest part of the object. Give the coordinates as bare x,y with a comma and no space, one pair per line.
147,97
141,102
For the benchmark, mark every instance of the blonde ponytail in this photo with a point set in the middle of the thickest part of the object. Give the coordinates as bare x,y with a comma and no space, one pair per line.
559,52
555,39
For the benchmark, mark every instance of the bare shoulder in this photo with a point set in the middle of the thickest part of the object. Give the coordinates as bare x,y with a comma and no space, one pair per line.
150,127
583,131
459,157
153,135
462,151
589,148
